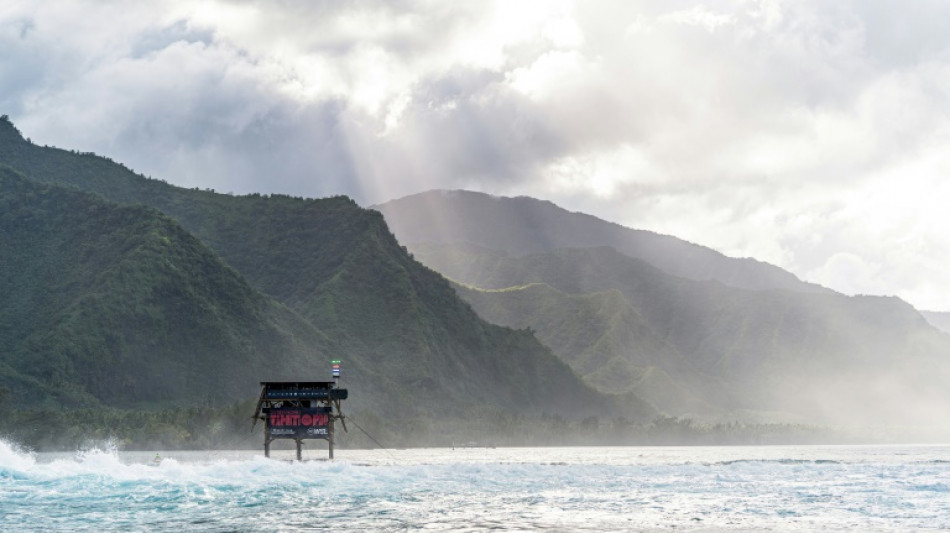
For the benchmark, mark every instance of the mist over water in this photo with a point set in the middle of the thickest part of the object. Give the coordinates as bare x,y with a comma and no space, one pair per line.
579,489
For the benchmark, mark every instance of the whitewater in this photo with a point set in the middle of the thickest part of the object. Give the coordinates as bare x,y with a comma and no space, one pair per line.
777,488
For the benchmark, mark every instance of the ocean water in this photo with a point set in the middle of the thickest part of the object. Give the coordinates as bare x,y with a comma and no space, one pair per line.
776,488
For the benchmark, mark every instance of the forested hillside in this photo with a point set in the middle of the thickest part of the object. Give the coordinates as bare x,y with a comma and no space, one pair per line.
411,347
602,337
121,305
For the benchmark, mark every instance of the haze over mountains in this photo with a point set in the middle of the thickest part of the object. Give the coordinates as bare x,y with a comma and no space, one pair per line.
525,225
682,326
125,291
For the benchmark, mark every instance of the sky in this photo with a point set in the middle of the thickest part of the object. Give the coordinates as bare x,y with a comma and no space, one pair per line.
810,134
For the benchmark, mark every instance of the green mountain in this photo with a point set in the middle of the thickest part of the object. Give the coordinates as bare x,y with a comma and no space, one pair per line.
411,347
526,225
119,305
719,349
599,334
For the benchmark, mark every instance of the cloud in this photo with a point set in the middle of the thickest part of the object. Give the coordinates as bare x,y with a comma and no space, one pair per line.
805,133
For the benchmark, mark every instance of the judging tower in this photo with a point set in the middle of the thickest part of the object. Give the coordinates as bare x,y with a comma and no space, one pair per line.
300,410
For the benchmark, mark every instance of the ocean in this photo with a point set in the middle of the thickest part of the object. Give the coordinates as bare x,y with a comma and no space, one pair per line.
767,488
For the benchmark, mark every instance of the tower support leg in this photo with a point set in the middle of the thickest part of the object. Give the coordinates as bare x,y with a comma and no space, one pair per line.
266,447
299,454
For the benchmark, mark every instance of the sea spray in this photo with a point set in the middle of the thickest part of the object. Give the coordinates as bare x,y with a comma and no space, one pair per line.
13,459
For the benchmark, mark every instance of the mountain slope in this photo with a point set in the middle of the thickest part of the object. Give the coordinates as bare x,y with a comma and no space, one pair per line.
600,335
419,350
525,225
121,305
824,355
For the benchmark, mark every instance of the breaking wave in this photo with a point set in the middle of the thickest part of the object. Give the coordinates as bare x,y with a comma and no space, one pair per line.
578,489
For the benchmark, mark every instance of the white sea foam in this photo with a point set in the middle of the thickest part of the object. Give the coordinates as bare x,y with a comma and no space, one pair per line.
577,489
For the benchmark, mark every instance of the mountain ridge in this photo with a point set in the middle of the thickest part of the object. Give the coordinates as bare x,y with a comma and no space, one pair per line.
523,225
938,319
